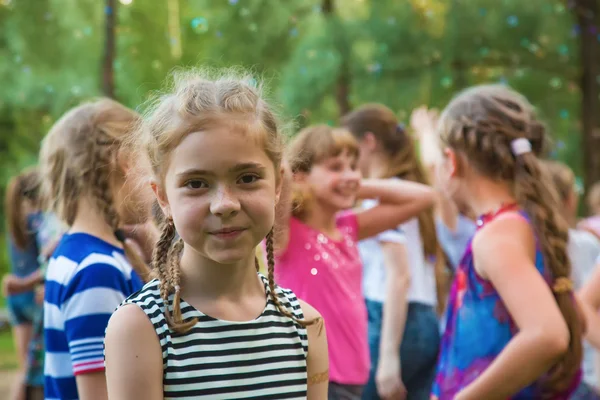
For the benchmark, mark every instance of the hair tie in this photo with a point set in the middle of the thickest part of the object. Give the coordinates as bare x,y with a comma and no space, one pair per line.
520,146
120,235
562,285
177,289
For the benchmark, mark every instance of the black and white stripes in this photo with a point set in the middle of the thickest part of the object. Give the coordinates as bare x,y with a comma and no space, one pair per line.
260,359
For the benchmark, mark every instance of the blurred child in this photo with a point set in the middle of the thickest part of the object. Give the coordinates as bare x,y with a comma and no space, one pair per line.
404,268
316,245
513,328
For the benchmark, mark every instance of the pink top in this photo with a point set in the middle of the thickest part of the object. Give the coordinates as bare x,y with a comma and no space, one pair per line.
327,274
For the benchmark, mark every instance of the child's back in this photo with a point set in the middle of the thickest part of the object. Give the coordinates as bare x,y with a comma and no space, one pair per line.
86,278
479,325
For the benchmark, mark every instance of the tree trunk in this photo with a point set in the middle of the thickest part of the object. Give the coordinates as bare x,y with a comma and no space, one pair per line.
342,86
587,16
108,77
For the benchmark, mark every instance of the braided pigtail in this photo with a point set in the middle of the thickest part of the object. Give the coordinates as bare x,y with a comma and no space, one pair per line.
174,273
104,154
532,192
159,262
272,287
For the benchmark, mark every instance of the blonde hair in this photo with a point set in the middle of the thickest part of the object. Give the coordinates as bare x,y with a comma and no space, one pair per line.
311,146
77,158
403,163
24,186
198,101
481,124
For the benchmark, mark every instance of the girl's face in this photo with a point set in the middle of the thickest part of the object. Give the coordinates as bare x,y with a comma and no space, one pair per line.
220,188
334,182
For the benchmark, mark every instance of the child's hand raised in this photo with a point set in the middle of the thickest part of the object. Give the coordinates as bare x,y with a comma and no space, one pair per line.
423,121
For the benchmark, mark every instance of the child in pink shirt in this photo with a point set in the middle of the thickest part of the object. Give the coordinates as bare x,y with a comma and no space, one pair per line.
316,252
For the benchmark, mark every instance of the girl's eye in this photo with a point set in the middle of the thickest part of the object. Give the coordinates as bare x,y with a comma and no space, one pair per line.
195,184
249,178
336,167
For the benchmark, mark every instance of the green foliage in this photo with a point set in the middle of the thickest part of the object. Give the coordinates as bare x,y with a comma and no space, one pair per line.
401,53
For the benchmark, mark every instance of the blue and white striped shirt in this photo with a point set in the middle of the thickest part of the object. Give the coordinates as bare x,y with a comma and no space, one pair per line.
86,281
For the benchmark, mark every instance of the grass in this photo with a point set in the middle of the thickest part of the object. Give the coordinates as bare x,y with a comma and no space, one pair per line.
8,354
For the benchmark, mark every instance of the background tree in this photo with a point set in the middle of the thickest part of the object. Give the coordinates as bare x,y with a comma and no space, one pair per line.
320,58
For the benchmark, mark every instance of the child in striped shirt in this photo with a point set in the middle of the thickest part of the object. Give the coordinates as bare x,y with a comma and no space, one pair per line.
211,326
92,270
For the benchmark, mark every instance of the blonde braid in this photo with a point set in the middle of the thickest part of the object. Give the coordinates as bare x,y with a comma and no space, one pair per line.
174,274
104,156
159,261
273,293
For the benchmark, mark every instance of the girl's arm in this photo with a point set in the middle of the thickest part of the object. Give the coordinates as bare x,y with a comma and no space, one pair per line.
12,284
423,122
283,210
589,296
504,253
388,377
317,361
398,201
133,356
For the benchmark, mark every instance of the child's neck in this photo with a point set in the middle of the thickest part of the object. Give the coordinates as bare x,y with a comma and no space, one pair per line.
378,167
488,196
202,278
322,219
91,221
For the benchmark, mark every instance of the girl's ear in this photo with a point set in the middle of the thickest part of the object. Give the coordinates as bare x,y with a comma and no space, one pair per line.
453,161
161,197
369,141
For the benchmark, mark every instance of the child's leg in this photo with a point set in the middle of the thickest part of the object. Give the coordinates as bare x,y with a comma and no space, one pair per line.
22,336
35,393
21,309
419,351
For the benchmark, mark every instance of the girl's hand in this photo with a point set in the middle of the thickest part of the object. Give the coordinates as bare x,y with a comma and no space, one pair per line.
12,285
388,379
423,121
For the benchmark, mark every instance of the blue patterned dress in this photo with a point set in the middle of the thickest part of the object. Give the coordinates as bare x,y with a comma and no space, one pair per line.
478,327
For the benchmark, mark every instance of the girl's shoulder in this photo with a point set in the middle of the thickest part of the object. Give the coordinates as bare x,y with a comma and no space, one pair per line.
148,297
287,297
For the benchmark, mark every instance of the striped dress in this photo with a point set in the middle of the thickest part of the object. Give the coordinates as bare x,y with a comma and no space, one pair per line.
260,359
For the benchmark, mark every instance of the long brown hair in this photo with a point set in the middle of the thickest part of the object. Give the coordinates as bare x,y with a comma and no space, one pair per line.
481,124
22,187
399,149
196,101
79,157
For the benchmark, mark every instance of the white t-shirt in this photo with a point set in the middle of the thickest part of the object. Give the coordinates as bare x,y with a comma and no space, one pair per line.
584,252
422,282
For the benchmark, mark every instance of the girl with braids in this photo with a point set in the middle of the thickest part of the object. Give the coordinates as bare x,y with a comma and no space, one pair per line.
92,270
317,253
210,326
513,326
405,267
